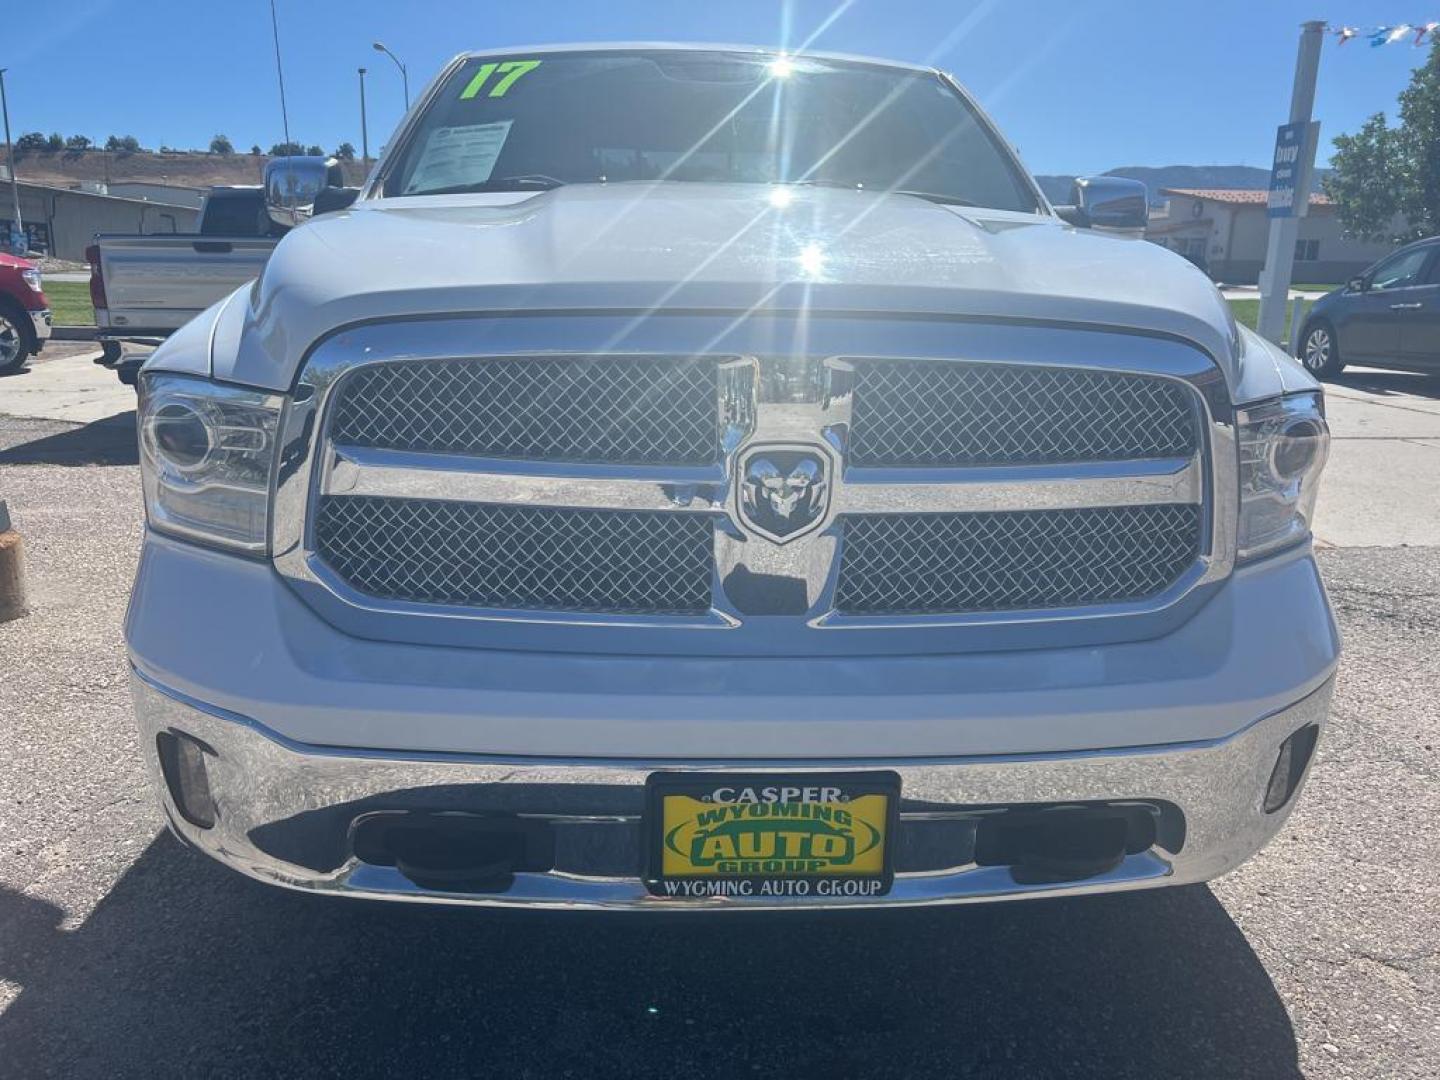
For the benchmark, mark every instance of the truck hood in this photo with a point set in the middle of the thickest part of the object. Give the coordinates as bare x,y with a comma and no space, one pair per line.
708,247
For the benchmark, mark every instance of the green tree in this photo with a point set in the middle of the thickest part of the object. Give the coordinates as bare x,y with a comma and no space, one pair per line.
124,144
286,149
55,143
255,150
1386,180
315,150
1365,179
221,145
345,151
1420,147
78,143
31,140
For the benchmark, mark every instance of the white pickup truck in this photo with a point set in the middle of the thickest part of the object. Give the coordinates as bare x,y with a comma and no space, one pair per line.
144,287
712,478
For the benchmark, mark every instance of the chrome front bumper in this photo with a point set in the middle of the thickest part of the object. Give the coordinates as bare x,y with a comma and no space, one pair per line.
285,811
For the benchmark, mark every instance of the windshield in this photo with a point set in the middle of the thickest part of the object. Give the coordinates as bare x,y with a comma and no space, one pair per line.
538,121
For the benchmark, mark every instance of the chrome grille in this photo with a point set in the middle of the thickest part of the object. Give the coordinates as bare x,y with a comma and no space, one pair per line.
956,495
944,563
473,554
929,413
617,409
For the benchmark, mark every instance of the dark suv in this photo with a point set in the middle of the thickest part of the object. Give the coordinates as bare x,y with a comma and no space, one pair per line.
1389,316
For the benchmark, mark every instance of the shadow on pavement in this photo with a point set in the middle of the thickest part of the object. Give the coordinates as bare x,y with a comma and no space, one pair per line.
1389,382
104,442
188,969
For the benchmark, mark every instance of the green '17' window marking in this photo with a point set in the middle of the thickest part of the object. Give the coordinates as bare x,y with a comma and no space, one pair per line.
509,71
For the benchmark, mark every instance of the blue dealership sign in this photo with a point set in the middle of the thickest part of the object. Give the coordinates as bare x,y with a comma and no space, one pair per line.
1290,159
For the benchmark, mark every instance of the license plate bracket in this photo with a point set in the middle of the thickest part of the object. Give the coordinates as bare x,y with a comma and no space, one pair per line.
770,835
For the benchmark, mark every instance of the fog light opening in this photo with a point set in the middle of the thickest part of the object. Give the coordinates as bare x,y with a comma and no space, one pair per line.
182,762
1290,766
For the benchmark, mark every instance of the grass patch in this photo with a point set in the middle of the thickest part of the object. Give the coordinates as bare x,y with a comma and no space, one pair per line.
70,302
1248,313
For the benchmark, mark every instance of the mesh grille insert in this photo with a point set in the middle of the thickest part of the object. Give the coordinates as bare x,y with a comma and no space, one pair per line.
439,552
622,409
941,413
941,563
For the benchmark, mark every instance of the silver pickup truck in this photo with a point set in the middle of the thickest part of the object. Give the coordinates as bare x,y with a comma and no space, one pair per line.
710,478
144,287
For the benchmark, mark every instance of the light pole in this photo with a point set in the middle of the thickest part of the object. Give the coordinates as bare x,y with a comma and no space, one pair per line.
364,127
18,229
404,75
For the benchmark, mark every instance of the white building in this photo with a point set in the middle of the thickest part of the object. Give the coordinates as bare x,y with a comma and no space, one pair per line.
171,194
1224,231
62,221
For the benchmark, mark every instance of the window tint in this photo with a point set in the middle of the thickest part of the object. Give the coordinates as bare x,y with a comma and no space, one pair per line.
529,122
1400,270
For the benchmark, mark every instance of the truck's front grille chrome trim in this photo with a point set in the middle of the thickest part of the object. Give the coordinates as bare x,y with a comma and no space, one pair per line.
401,474
938,532
1026,487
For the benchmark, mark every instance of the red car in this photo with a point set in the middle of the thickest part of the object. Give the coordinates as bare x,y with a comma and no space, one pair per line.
24,313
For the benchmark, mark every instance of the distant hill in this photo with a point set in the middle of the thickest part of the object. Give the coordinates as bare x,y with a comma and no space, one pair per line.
1245,177
197,170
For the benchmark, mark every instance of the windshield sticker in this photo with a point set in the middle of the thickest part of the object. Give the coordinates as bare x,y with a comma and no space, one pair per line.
509,71
455,156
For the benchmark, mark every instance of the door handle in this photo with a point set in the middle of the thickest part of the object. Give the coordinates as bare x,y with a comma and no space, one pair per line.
1406,307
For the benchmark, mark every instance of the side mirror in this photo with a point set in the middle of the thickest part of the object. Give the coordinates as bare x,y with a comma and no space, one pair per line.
1107,202
293,186
1356,284
335,198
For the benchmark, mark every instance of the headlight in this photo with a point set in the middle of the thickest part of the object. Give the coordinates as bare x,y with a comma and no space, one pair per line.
206,452
32,278
1283,446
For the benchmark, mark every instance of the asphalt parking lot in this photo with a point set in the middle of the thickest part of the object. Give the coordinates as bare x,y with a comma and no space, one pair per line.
124,954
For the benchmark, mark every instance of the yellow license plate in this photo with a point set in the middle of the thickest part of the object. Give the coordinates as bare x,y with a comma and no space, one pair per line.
762,835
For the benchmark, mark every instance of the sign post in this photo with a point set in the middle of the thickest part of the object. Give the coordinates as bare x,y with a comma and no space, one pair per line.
1290,184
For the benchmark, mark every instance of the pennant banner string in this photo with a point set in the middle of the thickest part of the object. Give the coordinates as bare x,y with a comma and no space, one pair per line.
1386,35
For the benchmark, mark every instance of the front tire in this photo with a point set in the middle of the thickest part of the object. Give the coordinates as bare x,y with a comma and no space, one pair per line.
15,344
1319,351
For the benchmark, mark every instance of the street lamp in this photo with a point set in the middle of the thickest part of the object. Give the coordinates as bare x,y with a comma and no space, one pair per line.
364,127
18,228
404,75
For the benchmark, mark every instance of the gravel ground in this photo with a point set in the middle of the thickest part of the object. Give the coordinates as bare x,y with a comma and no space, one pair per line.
48,264
124,954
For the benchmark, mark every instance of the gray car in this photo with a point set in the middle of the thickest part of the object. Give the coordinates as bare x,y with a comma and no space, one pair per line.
1389,316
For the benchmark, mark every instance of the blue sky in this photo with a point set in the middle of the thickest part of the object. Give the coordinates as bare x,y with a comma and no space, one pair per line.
1079,86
